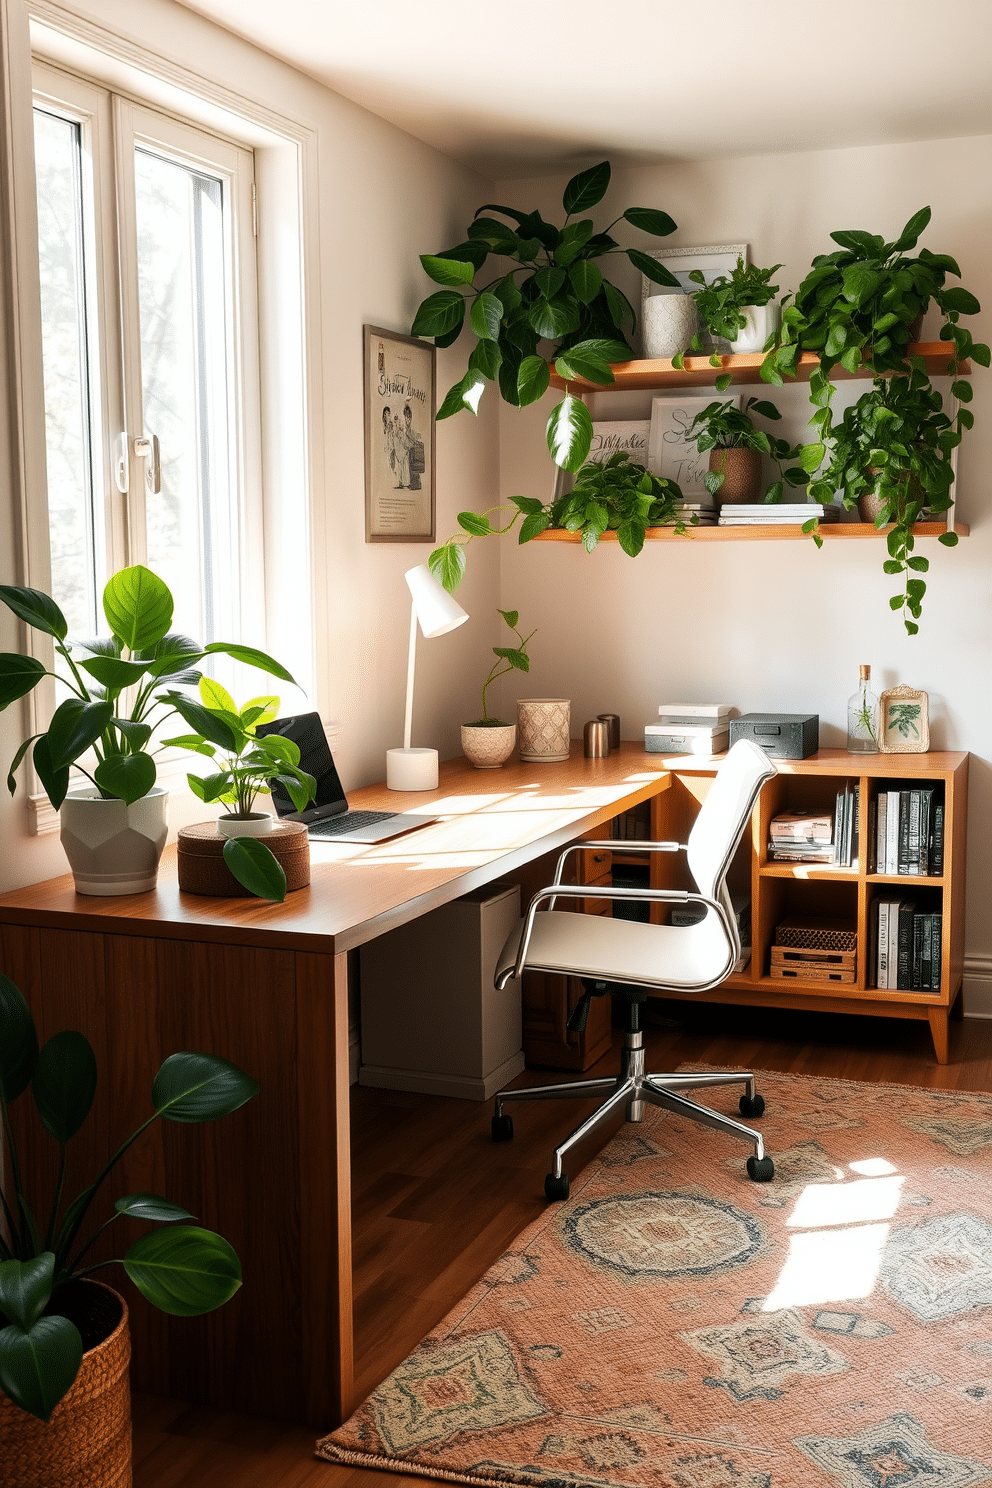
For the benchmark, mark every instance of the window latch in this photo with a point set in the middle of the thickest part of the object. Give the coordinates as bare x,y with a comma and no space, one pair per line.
148,449
121,464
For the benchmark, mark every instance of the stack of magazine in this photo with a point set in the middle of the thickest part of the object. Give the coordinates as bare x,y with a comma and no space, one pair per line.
777,514
703,511
817,837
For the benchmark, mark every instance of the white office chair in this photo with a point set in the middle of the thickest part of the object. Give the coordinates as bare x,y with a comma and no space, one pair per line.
632,960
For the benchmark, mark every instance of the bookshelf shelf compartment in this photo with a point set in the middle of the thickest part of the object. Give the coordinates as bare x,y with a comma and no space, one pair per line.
806,872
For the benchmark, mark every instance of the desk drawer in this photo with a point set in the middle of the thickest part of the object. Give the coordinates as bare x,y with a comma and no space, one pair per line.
595,865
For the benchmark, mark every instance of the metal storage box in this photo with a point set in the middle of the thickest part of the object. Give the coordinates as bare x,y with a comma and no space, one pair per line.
780,735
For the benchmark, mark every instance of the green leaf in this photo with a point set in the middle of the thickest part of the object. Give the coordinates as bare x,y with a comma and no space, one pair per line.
949,539
578,362
553,318
586,280
250,656
517,659
573,240
126,776
18,1041
138,607
447,564
255,868
587,188
569,433
21,752
549,281
211,788
184,1271
962,390
110,672
300,792
652,269
38,1367
911,232
511,617
529,505
36,609
649,220
532,525
193,742
630,536
150,1206
440,314
533,377
860,281
18,674
486,315
26,1288
174,653
474,522
63,1085
136,734
447,270
811,456
75,726
620,308
56,782
201,1087
278,747
486,357
722,382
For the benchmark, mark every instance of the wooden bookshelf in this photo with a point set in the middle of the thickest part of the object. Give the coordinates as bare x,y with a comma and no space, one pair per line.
778,889
772,532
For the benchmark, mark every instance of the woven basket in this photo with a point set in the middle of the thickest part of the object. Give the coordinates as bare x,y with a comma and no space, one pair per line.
202,869
87,1442
741,471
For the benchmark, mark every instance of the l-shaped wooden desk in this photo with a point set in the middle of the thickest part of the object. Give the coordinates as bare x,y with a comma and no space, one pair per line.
267,986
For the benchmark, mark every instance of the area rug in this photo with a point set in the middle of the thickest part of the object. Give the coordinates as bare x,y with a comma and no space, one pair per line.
676,1326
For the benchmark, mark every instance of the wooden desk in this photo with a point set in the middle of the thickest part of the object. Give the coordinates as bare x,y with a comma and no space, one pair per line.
266,986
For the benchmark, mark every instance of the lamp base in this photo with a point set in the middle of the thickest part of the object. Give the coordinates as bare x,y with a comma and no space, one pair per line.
411,769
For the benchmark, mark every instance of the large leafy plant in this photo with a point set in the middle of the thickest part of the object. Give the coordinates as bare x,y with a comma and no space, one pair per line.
116,684
722,426
895,443
181,1269
508,659
721,303
553,305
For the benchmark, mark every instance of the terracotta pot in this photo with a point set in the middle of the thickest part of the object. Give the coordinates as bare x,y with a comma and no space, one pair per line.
488,746
741,471
87,1442
544,725
869,506
114,848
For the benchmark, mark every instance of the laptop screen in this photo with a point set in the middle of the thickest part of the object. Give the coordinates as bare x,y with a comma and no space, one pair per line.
307,731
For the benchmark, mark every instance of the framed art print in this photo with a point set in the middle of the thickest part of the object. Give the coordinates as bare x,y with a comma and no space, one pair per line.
672,454
399,437
904,721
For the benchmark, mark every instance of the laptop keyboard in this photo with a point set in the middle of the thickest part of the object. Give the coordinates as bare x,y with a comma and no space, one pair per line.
350,821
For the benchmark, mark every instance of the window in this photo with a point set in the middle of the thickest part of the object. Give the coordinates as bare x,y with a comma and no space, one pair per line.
148,299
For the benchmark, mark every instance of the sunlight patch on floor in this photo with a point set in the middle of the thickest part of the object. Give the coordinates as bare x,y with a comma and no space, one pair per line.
822,1204
829,1266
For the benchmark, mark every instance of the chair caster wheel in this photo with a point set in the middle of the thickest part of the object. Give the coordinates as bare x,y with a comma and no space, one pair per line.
751,1105
502,1128
556,1189
760,1169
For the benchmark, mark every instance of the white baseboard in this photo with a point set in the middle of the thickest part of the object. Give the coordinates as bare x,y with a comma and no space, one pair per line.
463,1087
977,986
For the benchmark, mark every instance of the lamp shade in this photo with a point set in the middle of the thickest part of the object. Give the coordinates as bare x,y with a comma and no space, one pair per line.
434,607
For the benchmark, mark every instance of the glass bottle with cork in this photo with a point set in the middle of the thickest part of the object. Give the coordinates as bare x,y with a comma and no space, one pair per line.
863,717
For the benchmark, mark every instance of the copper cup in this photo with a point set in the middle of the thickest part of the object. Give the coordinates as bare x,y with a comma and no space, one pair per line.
596,739
612,720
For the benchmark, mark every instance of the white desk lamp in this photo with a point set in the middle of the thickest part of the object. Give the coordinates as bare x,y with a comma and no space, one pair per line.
416,769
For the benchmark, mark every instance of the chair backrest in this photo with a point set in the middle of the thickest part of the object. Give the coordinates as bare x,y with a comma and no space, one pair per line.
724,815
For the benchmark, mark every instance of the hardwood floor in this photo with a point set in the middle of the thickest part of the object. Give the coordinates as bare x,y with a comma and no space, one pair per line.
435,1202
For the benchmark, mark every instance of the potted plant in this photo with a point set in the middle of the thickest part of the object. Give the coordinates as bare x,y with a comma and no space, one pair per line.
64,1405
736,447
555,297
246,762
616,495
891,456
489,742
738,308
113,831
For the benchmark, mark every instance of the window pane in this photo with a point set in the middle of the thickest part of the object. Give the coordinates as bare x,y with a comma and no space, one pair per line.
71,510
192,532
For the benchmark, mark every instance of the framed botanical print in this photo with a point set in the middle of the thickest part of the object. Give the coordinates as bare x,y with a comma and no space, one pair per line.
399,437
904,721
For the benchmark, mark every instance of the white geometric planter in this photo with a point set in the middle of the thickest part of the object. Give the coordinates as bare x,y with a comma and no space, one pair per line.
114,848
760,322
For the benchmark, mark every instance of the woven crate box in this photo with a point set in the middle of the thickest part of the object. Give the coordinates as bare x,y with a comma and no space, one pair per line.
202,869
806,932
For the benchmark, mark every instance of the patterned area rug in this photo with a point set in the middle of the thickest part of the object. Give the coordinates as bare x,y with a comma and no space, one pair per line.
676,1326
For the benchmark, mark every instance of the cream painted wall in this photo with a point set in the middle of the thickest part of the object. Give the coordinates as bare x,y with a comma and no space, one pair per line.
778,625
383,197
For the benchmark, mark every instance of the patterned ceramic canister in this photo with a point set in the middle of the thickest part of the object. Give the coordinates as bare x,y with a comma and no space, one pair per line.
488,748
670,322
543,728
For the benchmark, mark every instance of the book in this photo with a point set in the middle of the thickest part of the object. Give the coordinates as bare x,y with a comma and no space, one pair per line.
894,944
856,825
913,832
924,968
805,852
926,813
903,865
892,833
881,837
882,917
801,826
937,838
937,934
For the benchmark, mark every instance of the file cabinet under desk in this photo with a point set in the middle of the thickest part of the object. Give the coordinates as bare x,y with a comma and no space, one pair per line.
781,889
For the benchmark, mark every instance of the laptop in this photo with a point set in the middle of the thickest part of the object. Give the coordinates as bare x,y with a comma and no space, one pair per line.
328,818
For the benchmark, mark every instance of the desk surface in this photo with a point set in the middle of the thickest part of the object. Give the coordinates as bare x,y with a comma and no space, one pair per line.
491,822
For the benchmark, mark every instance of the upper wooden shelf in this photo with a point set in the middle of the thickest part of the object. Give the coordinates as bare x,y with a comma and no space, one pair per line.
745,368
770,532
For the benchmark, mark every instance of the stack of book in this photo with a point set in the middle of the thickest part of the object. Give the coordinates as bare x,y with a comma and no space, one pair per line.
777,514
905,946
703,511
907,827
817,837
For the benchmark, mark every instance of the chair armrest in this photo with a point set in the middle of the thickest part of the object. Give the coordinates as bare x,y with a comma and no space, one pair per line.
611,842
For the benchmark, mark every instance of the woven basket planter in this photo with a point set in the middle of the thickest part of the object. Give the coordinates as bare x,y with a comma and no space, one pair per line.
87,1443
202,870
741,471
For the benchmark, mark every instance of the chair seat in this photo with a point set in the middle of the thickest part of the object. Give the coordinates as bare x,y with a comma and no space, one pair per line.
683,958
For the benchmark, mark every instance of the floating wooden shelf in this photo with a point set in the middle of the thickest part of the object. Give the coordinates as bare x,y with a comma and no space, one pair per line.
745,368
773,532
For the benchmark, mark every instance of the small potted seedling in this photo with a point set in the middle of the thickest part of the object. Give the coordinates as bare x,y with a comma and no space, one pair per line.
488,742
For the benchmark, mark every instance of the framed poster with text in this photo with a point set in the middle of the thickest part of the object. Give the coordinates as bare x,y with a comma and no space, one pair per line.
399,437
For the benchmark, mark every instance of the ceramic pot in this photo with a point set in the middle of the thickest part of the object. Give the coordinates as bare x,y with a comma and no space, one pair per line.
257,824
869,506
114,848
488,747
741,471
670,322
88,1439
543,729
761,322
